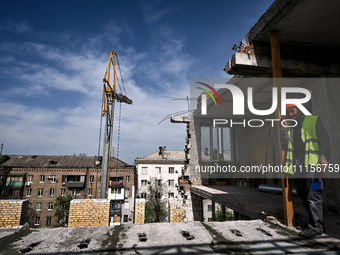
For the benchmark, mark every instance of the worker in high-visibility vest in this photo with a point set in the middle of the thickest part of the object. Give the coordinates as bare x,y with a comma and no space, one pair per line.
308,146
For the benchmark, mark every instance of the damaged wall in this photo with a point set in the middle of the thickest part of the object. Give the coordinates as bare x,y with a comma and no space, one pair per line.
180,210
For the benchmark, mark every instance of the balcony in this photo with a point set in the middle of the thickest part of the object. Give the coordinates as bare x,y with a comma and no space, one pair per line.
116,193
115,185
75,181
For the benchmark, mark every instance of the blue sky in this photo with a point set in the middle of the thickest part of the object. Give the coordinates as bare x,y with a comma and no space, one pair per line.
53,56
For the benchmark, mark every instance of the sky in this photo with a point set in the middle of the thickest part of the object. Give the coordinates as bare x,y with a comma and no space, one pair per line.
53,56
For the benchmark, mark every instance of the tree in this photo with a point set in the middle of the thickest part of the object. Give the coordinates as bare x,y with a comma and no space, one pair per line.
62,206
4,171
155,206
32,214
229,216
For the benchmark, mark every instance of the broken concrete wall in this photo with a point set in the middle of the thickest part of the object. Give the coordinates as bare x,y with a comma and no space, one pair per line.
177,213
180,210
13,212
89,213
194,133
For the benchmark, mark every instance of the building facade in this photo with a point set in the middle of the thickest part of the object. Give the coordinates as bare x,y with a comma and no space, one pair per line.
44,180
164,165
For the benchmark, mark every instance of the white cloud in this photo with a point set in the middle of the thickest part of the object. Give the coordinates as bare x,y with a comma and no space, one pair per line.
16,27
75,129
152,13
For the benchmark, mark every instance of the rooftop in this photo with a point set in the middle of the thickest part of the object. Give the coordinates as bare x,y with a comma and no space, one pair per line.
44,161
230,237
163,157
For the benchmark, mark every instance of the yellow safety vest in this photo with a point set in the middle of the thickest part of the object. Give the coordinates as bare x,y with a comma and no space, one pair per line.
309,137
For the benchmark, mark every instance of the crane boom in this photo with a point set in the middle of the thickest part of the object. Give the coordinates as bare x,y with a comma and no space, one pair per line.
109,98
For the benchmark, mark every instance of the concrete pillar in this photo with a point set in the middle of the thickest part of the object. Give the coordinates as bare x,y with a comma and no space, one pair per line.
223,212
213,213
197,207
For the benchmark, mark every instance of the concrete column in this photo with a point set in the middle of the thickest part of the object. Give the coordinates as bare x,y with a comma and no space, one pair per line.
213,213
197,207
223,212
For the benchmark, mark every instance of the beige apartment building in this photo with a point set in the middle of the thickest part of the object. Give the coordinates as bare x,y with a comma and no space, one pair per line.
42,179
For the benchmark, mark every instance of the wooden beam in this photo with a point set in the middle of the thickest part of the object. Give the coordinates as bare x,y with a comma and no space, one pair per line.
288,207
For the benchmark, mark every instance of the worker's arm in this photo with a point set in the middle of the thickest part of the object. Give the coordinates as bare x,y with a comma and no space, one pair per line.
325,145
284,134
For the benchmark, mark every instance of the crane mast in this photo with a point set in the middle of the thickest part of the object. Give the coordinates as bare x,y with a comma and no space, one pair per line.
109,97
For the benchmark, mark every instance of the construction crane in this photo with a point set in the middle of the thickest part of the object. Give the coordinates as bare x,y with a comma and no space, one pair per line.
110,95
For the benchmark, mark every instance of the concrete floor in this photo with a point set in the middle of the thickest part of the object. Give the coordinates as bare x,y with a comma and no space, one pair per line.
232,237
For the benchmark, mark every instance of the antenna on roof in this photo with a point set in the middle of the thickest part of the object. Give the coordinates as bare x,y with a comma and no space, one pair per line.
2,146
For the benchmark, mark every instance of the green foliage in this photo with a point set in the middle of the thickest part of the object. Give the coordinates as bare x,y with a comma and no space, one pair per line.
32,214
229,216
62,206
4,158
155,206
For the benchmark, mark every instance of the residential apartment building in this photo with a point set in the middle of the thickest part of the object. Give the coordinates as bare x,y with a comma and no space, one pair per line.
42,179
163,165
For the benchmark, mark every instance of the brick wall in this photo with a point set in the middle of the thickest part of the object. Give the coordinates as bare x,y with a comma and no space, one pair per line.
13,212
140,211
177,213
180,210
89,213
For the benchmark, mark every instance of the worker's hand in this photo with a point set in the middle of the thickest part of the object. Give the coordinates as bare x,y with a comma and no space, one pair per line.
323,163
283,121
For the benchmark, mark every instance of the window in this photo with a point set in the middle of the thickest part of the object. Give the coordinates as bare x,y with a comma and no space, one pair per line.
171,170
37,221
50,206
158,170
215,144
144,182
116,191
73,178
144,170
28,192
42,178
171,183
14,179
127,178
40,192
171,195
52,192
91,178
62,192
143,195
48,221
127,193
38,207
74,192
209,208
90,193
30,178
126,218
53,178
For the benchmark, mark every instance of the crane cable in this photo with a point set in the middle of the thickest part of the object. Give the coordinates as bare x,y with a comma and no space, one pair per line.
118,136
120,107
121,76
